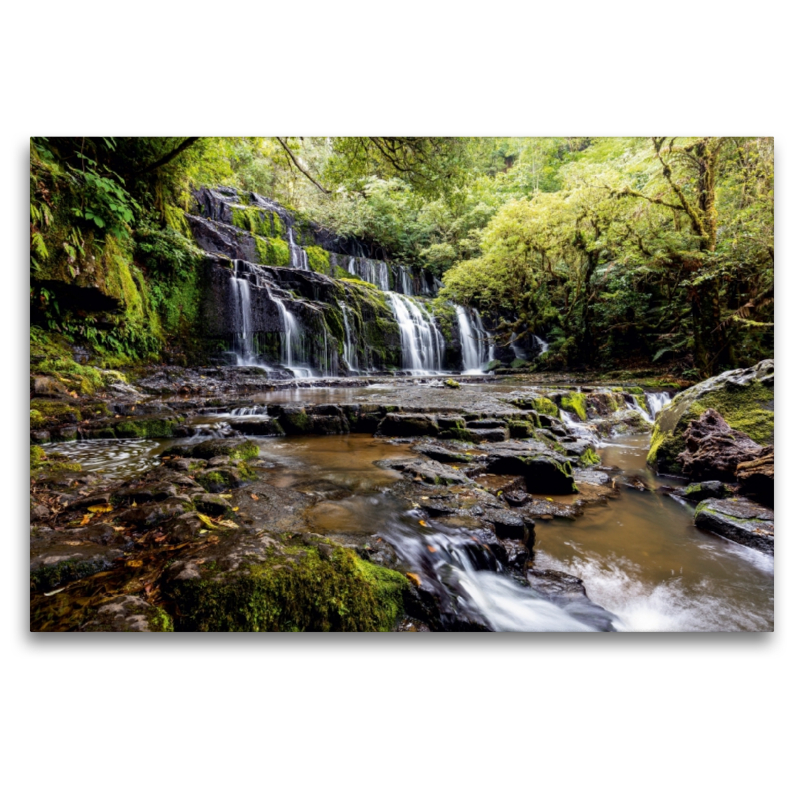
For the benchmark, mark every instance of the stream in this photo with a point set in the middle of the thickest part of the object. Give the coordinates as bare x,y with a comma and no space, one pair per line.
642,561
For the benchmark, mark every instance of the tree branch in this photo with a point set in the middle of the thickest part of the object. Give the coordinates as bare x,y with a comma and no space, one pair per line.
294,161
185,144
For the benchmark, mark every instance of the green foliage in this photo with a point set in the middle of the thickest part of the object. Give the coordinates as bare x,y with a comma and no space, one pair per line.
318,259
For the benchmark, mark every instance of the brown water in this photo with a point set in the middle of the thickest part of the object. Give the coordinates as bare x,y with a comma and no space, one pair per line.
642,558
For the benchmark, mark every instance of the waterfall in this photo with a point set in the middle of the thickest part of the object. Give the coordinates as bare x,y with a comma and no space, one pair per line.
298,254
544,347
474,346
350,351
422,342
405,282
656,401
369,271
242,316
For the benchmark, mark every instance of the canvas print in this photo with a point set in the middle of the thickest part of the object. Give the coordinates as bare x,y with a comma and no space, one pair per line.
402,384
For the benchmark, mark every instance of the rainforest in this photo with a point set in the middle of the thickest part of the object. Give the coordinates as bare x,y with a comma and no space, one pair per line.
401,384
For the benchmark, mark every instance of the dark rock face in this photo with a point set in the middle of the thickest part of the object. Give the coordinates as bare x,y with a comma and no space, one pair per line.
714,449
757,477
408,425
128,613
544,470
509,525
696,492
435,473
568,592
740,521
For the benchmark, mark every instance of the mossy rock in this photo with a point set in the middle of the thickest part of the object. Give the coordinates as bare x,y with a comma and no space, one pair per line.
589,458
744,397
50,413
576,403
296,588
145,428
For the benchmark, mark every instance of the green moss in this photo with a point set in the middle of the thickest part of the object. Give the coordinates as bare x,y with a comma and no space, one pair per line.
452,384
744,409
48,413
519,429
252,220
589,458
147,428
640,399
327,589
519,363
159,621
37,456
273,251
575,402
318,259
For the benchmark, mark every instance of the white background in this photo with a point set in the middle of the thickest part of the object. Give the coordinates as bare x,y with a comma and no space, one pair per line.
645,716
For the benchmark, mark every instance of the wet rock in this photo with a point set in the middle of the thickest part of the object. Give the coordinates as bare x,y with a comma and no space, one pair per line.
408,425
443,454
696,492
490,435
544,470
184,528
508,525
568,592
40,437
744,397
517,555
757,477
220,479
150,514
435,473
39,512
67,433
714,449
211,504
63,563
144,493
98,499
479,424
740,521
263,426
516,498
595,477
47,386
128,613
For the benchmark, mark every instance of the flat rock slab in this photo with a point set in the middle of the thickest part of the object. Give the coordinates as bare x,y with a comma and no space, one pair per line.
544,470
740,521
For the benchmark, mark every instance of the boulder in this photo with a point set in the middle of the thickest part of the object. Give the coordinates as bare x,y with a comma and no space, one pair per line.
408,425
438,453
545,471
714,449
745,398
567,592
128,613
435,473
696,492
257,426
740,521
757,477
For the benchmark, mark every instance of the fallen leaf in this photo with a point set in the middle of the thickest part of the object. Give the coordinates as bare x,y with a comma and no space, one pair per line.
212,540
206,520
118,529
414,578
55,591
432,548
134,562
254,496
549,499
235,508
226,496
104,509
424,498
86,518
133,504
226,523
423,523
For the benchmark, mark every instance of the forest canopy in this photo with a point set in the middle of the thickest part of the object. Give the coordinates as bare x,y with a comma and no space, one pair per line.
654,251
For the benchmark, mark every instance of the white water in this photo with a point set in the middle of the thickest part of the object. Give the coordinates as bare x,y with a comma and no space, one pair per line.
350,351
298,254
542,344
484,593
422,342
656,401
475,350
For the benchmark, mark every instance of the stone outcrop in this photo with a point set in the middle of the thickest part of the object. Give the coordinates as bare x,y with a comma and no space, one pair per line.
757,477
714,450
740,521
745,398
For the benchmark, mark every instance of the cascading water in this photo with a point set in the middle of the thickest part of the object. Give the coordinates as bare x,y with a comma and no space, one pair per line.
543,346
350,351
242,316
472,586
475,349
656,401
298,254
422,342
